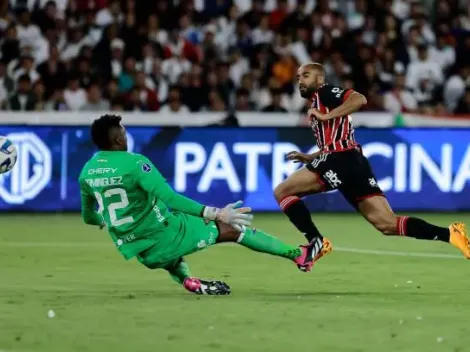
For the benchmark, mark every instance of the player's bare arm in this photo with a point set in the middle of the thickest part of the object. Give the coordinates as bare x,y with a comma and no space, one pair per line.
354,102
299,157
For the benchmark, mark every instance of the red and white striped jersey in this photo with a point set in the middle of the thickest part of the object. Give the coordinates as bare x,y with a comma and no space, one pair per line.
337,134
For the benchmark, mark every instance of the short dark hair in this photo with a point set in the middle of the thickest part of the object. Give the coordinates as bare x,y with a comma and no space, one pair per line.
100,129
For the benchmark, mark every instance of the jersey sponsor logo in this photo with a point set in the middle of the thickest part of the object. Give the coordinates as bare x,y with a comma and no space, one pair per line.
31,174
201,244
102,171
159,215
146,167
125,239
332,178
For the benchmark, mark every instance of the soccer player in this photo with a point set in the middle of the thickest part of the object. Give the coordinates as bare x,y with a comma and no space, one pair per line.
339,164
133,203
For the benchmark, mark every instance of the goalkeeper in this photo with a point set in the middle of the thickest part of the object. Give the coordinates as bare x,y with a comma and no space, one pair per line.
133,200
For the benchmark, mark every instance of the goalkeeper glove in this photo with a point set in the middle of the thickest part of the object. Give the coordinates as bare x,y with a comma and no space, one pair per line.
232,214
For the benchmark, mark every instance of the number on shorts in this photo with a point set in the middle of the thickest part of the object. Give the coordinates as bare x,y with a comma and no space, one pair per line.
121,204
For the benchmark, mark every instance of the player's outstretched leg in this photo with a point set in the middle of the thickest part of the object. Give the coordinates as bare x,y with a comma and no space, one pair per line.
180,273
300,183
260,241
378,212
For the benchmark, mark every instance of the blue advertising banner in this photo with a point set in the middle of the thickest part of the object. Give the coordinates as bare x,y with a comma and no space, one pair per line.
420,169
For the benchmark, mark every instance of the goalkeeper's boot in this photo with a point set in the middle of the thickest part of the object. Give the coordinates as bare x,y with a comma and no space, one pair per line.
312,252
202,287
459,238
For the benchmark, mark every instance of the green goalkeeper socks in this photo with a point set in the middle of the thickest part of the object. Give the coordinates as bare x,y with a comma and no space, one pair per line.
179,272
260,241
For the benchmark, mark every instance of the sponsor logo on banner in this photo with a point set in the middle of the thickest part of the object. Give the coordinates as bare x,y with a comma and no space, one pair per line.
32,172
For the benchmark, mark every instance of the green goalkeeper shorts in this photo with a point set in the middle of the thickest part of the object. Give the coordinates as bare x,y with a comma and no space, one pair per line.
193,234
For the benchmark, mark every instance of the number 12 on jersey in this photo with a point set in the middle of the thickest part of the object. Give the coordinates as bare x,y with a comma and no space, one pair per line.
122,203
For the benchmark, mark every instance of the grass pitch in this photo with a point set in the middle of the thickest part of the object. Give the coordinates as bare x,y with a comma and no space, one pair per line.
382,300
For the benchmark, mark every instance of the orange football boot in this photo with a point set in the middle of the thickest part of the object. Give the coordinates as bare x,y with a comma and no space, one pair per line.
459,238
327,248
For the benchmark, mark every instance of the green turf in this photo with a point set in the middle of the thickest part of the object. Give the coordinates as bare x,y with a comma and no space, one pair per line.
350,302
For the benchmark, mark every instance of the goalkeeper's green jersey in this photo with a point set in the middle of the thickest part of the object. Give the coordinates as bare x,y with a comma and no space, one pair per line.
126,192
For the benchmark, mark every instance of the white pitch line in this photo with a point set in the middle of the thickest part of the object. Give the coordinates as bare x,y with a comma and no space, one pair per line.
338,249
397,253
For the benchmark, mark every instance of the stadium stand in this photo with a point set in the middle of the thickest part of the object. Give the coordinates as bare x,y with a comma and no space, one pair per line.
242,55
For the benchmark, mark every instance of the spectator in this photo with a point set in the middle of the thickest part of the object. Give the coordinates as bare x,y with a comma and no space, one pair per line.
26,68
84,71
254,16
279,14
160,84
238,66
117,105
177,46
10,45
174,66
275,106
6,85
195,96
174,104
214,49
24,99
443,54
28,33
74,96
110,14
208,45
133,101
117,57
242,101
94,100
53,72
388,67
454,88
39,92
155,33
57,101
463,106
285,69
147,95
298,18
47,17
399,99
148,57
225,86
216,102
126,79
73,46
262,34
424,69
112,90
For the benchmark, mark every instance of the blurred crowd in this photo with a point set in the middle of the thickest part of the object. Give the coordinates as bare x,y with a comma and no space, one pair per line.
231,55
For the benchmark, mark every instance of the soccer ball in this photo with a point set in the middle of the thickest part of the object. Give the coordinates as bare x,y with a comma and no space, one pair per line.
8,155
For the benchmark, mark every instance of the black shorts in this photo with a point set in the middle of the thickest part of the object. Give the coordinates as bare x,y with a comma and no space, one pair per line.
349,172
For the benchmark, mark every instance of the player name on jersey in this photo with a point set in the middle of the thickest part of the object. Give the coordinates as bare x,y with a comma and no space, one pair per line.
104,181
